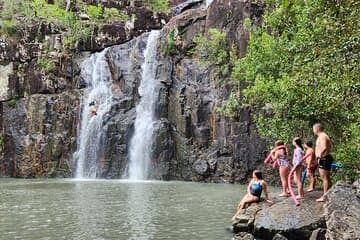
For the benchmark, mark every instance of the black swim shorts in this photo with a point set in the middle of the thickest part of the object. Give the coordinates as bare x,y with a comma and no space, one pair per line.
325,162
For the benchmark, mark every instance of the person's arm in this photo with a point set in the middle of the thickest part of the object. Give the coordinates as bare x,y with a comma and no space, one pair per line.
266,193
249,186
274,155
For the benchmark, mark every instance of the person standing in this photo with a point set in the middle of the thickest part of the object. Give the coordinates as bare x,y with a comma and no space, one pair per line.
297,164
322,154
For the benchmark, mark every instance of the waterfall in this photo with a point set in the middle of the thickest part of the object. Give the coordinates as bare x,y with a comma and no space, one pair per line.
95,71
208,2
141,142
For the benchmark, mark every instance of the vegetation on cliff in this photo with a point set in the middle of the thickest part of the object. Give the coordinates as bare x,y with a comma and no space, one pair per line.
18,17
302,67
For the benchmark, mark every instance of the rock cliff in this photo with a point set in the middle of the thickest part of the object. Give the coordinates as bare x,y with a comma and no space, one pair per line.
193,141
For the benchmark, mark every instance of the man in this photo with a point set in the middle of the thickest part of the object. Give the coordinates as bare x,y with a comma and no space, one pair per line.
322,153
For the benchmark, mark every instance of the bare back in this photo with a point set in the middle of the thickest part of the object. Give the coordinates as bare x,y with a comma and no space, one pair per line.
323,145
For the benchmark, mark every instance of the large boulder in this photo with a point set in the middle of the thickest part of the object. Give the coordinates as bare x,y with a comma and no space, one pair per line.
291,221
342,211
282,220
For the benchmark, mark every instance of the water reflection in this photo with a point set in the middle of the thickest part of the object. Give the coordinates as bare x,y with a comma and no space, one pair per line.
141,211
82,210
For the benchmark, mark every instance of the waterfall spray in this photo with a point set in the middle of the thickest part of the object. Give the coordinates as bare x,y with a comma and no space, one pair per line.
142,140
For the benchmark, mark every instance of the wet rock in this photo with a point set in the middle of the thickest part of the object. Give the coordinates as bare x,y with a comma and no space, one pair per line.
243,236
185,6
342,211
245,221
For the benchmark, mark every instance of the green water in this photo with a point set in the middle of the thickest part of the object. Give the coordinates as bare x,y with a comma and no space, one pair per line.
68,209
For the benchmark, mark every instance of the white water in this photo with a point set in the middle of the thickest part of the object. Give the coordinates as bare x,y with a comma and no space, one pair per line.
208,2
96,73
141,141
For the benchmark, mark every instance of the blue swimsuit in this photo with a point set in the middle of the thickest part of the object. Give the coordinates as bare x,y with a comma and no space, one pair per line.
256,189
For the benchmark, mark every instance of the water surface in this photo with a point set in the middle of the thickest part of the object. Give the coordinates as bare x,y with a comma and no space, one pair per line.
68,209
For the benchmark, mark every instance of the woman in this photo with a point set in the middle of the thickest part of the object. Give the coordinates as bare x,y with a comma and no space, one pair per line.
280,155
297,164
254,189
310,164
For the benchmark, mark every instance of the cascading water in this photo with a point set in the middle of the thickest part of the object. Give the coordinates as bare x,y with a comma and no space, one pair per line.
96,73
141,141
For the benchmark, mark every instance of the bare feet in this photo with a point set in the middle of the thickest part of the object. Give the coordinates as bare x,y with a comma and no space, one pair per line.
320,199
310,190
283,195
298,197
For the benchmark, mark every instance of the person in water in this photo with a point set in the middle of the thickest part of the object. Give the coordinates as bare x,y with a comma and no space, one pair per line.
310,164
256,186
93,108
323,157
280,155
297,164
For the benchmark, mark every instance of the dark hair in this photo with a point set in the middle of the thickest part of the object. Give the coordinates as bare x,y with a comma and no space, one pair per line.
279,143
298,142
309,143
258,174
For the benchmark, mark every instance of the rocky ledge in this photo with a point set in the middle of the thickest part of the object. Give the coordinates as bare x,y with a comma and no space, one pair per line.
337,218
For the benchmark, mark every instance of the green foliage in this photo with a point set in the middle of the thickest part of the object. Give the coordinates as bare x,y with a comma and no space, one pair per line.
113,14
170,48
94,12
157,6
11,103
302,67
46,64
212,49
18,15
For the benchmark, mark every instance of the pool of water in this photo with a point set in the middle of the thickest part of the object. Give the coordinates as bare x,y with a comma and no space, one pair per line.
110,209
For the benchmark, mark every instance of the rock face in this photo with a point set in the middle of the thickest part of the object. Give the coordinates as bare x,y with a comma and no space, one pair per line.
39,135
342,211
193,141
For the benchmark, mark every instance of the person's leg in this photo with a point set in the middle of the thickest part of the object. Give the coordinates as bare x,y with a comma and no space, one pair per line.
299,185
311,177
283,171
247,199
325,177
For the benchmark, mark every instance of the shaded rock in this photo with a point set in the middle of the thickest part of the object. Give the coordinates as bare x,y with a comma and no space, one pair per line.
245,221
318,234
279,237
342,211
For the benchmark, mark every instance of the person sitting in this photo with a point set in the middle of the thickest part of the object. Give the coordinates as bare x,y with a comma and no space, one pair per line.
310,164
93,107
256,186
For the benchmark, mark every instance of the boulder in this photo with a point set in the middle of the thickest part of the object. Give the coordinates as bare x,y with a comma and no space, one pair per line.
243,236
293,222
282,220
342,211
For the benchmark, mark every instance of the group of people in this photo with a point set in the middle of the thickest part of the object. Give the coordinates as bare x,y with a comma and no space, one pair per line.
303,156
